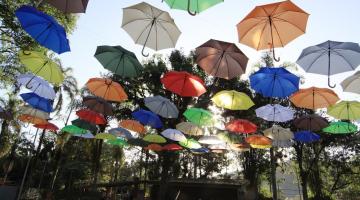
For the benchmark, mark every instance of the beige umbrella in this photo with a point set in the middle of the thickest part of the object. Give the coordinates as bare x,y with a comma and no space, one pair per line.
352,83
27,110
280,136
189,128
150,27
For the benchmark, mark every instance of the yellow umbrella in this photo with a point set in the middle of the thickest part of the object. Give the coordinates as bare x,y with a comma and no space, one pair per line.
348,110
41,65
232,100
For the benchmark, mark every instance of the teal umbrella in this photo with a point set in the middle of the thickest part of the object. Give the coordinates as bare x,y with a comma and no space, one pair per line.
119,60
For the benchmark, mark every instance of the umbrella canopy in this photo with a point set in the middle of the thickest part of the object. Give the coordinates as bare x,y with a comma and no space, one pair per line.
91,116
105,136
133,125
340,128
241,126
192,6
39,64
351,83
311,122
161,106
272,25
172,147
119,61
348,110
306,136
240,147
118,142
28,110
275,113
201,150
106,89
72,129
221,147
154,147
85,125
98,105
330,58
258,141
147,118
31,119
121,132
210,139
314,98
189,128
274,82
153,138
221,59
43,28
137,142
232,100
150,27
190,144
199,116
36,84
173,134
47,126
183,84
69,6
278,133
229,137
38,102
87,135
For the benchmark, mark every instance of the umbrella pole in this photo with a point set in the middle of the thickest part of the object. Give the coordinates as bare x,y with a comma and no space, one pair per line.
147,38
329,68
272,41
188,9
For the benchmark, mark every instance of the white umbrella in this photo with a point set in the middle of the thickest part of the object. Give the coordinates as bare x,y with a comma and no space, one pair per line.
150,27
27,110
275,113
162,106
210,139
173,134
281,136
352,83
37,85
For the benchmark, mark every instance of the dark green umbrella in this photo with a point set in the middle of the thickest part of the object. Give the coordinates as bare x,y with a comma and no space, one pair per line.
118,60
137,142
85,125
340,128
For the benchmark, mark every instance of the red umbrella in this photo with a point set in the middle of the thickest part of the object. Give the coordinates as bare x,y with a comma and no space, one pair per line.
172,147
91,116
47,126
241,126
183,84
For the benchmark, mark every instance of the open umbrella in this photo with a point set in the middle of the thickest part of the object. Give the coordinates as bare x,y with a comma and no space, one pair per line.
162,106
241,126
275,113
232,100
137,142
28,110
190,144
153,138
69,6
347,110
98,105
47,126
37,85
121,132
31,119
39,64
87,135
147,118
119,60
85,125
306,136
189,128
72,129
272,25
340,128
154,147
258,141
105,136
330,58
199,116
210,139
133,125
351,83
314,98
106,89
183,84
240,147
172,147
150,27
279,135
221,59
43,28
192,6
38,102
173,134
274,82
200,150
91,116
118,142
311,122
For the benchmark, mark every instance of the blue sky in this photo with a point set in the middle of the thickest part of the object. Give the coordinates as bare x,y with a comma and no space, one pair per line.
101,25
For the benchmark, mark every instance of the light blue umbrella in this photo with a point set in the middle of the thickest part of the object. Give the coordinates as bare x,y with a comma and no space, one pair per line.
275,113
121,132
162,106
36,84
174,135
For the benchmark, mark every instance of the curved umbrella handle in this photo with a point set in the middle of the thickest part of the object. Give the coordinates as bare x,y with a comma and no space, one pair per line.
142,52
331,86
188,9
276,59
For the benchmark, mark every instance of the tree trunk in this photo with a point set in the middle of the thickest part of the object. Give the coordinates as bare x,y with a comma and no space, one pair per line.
317,181
98,158
164,176
273,174
303,174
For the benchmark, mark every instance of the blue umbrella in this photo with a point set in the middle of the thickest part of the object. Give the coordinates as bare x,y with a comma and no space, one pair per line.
147,118
121,132
43,28
306,136
37,101
200,150
274,82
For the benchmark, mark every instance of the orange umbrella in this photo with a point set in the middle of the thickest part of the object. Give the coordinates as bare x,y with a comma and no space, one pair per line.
133,126
31,119
106,89
258,140
314,98
47,126
154,147
272,25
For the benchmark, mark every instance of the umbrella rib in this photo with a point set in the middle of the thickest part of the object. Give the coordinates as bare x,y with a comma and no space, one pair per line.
169,35
316,59
140,19
137,39
283,20
282,44
254,26
339,54
261,34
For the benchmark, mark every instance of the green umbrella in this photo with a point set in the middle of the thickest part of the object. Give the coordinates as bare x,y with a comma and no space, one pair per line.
340,128
119,60
72,129
153,138
105,136
192,6
190,144
137,142
199,116
85,125
348,110
118,142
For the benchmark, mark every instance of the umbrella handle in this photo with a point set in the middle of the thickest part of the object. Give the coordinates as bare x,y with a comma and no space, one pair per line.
274,57
188,9
142,52
331,86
